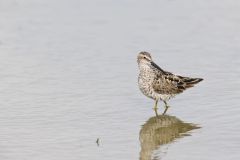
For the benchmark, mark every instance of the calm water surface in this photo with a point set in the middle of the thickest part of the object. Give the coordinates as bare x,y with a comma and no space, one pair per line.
69,76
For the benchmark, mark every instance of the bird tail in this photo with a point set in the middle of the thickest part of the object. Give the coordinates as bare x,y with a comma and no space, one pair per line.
190,82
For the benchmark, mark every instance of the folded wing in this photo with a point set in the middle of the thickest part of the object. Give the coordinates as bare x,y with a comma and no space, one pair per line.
169,83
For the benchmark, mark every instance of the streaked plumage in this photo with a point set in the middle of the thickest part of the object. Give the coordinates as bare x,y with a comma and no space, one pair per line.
158,84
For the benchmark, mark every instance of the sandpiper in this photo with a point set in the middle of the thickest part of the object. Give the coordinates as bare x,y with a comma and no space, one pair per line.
158,84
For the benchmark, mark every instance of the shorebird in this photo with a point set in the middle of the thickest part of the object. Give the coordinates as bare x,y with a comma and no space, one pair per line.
158,84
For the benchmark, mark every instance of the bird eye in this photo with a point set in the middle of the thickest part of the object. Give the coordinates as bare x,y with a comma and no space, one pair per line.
144,57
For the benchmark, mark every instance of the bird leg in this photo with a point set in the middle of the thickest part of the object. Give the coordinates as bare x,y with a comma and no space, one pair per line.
155,106
156,112
166,107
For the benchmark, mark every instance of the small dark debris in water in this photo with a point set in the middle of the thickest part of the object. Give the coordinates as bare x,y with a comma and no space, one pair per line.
97,141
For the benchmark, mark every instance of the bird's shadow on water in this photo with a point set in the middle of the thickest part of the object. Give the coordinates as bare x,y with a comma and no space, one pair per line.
160,130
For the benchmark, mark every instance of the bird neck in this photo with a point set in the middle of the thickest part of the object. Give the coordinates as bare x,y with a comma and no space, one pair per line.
143,67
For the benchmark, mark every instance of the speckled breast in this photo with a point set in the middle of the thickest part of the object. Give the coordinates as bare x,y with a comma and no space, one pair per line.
145,86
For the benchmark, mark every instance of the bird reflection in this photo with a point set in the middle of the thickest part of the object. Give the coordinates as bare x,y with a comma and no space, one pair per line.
160,130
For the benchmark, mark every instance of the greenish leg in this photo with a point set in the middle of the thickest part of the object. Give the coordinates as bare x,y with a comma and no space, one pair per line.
166,107
155,107
156,112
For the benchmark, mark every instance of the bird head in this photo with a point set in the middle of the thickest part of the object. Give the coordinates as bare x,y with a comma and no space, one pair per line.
144,58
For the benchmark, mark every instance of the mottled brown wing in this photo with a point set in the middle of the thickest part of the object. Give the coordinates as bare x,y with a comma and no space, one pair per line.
169,83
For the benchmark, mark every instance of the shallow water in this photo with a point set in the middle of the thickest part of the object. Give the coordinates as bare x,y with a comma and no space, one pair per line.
69,77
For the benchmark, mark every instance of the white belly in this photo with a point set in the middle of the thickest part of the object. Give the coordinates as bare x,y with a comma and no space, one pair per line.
165,97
